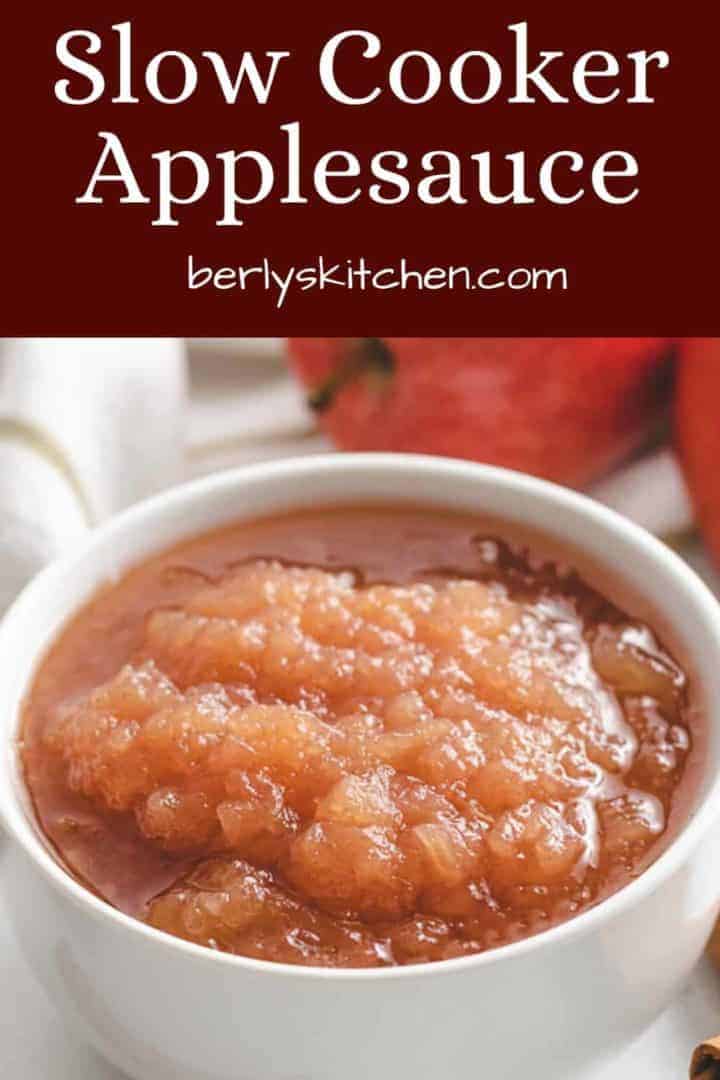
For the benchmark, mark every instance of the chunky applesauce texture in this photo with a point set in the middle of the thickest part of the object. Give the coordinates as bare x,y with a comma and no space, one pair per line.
310,764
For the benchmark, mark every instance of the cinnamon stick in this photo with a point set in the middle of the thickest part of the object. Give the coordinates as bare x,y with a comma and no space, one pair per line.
713,945
705,1064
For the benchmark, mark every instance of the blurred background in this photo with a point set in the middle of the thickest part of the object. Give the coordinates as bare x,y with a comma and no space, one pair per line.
89,426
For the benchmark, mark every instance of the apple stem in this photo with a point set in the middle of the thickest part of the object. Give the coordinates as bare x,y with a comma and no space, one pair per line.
365,356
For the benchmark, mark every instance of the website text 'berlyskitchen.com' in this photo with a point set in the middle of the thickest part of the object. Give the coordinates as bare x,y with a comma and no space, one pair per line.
361,275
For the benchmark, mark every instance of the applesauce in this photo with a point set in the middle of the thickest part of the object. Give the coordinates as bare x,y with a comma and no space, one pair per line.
357,737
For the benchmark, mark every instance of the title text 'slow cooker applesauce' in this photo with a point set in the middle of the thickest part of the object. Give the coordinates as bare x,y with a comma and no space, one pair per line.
356,738
355,69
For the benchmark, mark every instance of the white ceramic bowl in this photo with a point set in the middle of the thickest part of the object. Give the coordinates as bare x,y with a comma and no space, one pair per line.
550,1007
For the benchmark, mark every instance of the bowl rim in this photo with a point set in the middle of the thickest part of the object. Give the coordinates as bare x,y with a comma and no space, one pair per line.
15,819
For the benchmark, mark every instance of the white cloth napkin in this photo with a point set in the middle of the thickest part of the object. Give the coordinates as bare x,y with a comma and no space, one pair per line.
89,426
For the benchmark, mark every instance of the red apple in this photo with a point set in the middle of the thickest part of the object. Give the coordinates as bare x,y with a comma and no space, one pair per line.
698,430
564,408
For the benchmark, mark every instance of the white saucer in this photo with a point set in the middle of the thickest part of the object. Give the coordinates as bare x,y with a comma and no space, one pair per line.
35,1046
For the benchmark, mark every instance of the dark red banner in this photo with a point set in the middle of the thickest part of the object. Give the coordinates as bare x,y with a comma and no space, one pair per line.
378,170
